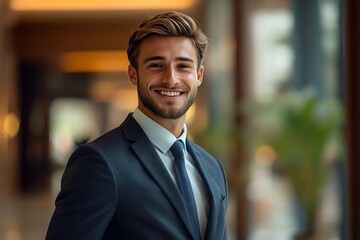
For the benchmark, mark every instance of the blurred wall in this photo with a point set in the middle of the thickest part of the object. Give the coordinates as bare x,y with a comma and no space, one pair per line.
8,105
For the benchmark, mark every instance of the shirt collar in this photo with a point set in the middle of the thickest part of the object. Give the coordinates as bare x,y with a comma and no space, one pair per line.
159,136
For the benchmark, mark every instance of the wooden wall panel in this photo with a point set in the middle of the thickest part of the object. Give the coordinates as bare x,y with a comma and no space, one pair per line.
352,86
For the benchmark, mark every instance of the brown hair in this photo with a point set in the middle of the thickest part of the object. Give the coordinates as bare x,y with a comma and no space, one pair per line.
167,24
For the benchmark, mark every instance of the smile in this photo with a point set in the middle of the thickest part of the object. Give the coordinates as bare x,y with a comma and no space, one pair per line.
169,93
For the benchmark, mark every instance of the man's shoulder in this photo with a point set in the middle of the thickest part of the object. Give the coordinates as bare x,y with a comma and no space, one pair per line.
103,144
112,134
125,131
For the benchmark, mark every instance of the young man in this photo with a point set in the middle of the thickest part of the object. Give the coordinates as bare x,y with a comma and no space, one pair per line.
127,183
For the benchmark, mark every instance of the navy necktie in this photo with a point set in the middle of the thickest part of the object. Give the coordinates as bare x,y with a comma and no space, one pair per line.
184,186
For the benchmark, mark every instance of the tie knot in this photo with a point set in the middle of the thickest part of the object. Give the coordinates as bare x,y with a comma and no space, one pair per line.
177,149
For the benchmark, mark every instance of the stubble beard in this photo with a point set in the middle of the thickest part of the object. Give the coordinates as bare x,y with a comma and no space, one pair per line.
149,103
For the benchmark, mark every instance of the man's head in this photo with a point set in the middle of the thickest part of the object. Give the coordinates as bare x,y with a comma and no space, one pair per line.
167,25
166,53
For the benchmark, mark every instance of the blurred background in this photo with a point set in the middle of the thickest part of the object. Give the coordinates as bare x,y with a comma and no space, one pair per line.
272,106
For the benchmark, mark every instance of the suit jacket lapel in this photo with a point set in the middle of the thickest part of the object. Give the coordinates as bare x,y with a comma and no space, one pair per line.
213,193
152,162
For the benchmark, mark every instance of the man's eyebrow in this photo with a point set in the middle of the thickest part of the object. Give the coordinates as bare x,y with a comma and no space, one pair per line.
185,59
156,58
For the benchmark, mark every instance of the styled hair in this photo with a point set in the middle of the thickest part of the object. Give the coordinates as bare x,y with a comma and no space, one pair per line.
167,25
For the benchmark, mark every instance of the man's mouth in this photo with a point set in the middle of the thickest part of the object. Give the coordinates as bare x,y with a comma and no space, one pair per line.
170,93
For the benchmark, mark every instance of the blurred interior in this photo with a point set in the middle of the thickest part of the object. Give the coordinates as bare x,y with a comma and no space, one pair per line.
63,82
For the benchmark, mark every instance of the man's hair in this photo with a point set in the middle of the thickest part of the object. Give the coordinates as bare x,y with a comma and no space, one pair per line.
167,25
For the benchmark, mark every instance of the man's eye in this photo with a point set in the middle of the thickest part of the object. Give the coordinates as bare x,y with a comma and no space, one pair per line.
183,66
155,65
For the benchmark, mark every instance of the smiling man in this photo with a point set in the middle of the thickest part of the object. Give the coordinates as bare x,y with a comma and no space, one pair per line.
146,179
167,77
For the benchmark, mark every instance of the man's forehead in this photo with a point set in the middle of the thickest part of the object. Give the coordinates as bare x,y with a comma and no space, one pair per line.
160,48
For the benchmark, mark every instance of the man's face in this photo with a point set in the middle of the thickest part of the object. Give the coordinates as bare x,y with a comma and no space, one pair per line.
167,77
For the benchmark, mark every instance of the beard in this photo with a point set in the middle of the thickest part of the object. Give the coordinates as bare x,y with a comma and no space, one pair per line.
170,113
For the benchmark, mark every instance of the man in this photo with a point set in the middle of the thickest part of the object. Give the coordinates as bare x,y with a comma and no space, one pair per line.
127,184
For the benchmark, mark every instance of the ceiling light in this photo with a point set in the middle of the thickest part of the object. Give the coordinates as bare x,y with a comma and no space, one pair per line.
94,61
98,5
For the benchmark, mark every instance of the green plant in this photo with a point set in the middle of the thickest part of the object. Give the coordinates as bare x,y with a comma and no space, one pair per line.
303,131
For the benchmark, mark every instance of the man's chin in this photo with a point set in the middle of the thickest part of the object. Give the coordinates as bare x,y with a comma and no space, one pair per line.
165,111
170,114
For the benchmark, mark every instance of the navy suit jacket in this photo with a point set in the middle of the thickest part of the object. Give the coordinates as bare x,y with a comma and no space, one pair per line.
117,187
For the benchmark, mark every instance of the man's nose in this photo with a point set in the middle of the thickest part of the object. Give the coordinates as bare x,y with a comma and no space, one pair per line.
170,76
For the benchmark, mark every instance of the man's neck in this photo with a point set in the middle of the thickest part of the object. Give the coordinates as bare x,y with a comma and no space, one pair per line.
175,126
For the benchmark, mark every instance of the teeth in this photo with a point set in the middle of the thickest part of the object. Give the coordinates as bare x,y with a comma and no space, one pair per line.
170,94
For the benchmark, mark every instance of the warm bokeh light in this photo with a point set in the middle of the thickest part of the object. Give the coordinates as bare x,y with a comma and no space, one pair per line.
265,155
11,125
124,99
13,233
191,114
98,5
94,61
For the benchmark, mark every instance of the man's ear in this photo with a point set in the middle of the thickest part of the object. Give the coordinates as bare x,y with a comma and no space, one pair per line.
132,73
200,75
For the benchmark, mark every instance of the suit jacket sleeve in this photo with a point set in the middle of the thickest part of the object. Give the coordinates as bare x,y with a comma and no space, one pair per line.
87,200
226,198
